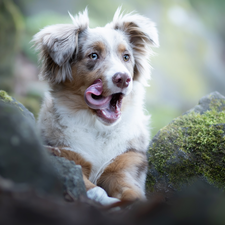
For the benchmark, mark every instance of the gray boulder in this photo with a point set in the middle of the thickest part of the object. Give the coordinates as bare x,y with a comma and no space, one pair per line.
71,177
191,146
23,158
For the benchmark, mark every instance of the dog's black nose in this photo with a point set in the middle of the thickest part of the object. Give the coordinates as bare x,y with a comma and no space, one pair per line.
121,80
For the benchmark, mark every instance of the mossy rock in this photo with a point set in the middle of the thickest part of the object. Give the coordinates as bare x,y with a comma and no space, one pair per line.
191,146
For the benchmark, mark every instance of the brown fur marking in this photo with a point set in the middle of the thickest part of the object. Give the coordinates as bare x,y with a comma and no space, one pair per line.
98,47
122,48
70,155
114,181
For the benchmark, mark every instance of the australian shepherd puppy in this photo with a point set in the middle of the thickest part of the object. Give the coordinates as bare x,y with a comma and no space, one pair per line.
94,111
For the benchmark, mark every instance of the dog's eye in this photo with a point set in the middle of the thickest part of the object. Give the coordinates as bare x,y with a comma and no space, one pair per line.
126,57
93,56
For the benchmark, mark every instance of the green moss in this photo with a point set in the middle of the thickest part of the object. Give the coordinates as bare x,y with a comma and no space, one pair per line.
5,97
218,105
150,183
192,145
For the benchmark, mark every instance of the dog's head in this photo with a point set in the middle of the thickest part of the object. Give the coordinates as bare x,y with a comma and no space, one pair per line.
97,65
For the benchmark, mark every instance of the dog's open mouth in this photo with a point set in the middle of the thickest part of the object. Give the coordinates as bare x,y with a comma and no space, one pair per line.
107,108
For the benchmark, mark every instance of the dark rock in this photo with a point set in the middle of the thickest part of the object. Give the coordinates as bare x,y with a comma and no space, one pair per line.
20,205
71,177
191,146
199,204
23,158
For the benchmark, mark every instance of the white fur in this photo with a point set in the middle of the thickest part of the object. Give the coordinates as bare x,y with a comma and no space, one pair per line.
100,195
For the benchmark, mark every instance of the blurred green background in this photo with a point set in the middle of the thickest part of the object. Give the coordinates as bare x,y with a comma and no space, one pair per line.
189,64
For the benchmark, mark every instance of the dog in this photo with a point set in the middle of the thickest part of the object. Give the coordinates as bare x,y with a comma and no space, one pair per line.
94,112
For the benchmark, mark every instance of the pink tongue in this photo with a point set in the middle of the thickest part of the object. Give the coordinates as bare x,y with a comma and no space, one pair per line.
96,89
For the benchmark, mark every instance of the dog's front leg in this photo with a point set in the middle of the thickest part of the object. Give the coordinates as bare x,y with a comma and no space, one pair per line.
63,151
125,177
93,192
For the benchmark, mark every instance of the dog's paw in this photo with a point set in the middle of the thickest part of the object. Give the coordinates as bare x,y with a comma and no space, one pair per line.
53,150
99,195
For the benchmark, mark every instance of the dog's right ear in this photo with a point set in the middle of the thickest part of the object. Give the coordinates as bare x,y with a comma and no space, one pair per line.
142,35
57,45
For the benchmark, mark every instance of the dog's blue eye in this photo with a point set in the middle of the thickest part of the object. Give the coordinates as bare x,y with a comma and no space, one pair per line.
93,56
126,57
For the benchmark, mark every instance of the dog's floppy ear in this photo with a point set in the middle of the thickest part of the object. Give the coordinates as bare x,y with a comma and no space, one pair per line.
58,44
142,35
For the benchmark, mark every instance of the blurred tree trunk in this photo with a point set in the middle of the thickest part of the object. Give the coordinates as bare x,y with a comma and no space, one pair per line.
11,24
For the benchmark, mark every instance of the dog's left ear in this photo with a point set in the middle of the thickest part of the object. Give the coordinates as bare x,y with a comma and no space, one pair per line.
142,35
58,44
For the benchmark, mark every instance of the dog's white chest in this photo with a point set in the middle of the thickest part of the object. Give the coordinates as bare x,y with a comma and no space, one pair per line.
96,143
98,148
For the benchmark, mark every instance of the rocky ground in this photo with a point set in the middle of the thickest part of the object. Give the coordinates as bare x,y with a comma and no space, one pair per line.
38,188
